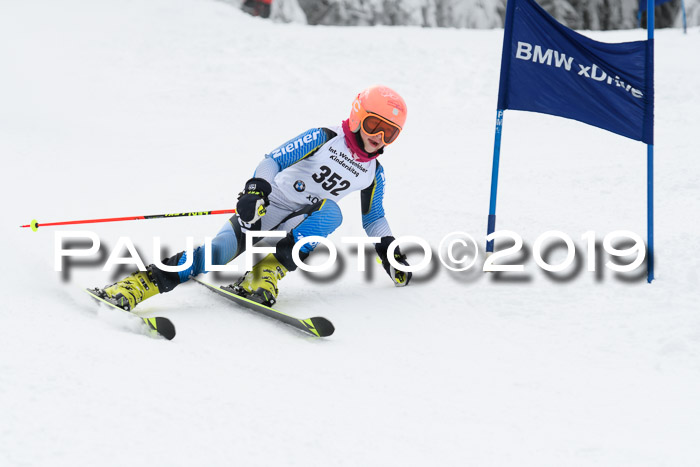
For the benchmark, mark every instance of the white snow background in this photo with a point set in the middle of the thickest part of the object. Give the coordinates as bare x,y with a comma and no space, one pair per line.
114,108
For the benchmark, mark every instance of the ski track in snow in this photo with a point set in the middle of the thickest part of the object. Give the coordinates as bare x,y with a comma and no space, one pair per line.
117,108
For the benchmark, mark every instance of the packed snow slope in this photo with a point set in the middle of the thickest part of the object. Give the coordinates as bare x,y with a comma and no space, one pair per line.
113,108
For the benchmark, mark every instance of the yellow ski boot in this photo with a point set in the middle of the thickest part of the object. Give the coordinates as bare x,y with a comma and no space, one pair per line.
260,284
132,290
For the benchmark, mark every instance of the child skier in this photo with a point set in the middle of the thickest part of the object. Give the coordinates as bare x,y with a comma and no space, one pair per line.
296,189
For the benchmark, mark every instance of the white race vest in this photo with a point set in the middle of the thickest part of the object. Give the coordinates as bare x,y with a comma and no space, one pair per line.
330,172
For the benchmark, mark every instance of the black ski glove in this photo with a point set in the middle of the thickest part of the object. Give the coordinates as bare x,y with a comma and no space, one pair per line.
399,277
252,201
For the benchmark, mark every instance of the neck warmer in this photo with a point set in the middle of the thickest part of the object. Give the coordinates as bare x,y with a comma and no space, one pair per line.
354,142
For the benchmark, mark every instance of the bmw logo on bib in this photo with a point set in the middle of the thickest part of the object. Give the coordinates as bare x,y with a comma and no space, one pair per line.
300,186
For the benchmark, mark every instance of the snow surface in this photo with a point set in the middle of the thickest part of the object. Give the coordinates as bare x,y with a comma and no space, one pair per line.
122,107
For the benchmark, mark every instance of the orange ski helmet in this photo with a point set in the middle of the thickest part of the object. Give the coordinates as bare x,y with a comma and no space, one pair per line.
378,109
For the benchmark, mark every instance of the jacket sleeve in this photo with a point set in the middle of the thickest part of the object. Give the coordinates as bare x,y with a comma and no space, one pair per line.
300,147
373,220
291,152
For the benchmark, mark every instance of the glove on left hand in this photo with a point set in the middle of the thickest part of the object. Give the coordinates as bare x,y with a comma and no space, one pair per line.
253,200
399,277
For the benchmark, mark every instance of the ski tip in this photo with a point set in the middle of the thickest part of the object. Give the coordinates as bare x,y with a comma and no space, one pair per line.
323,327
165,328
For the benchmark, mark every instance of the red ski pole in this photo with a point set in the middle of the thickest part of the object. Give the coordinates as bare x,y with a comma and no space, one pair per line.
35,225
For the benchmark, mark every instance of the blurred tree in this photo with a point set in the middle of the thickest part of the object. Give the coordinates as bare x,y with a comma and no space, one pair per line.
484,14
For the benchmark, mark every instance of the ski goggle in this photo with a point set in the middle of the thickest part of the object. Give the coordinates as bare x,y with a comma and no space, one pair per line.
374,124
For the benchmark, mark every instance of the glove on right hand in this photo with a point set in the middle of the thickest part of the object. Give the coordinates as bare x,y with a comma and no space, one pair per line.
400,278
252,201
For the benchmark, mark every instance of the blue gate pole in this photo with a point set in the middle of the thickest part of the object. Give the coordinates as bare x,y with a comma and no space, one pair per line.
650,167
685,31
494,178
650,212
